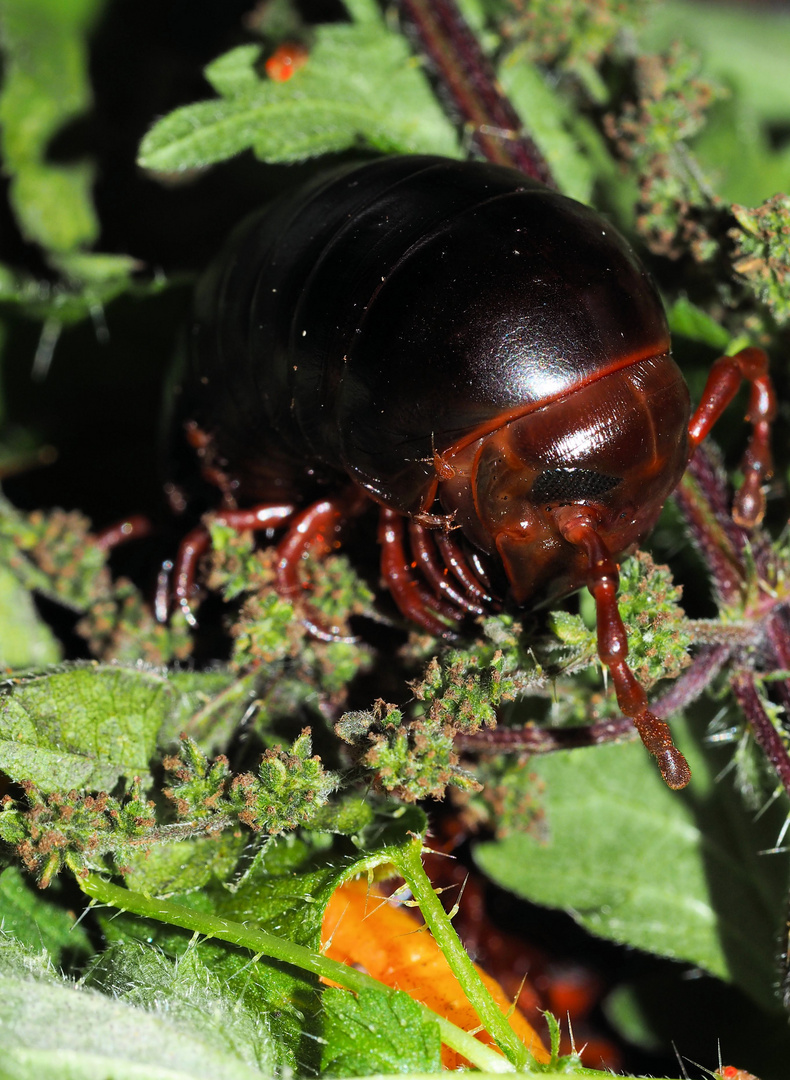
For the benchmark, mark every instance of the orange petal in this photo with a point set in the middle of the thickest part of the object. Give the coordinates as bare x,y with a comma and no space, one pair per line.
364,929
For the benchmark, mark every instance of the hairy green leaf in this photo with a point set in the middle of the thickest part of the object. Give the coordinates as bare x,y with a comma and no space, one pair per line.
189,993
692,322
46,85
51,1029
40,920
25,640
284,892
86,726
377,1032
548,116
382,99
678,875
89,725
186,865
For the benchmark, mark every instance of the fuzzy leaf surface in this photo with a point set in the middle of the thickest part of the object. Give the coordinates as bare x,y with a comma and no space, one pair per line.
377,1033
25,640
84,727
46,85
88,726
675,874
547,113
692,322
284,892
382,100
51,1029
186,865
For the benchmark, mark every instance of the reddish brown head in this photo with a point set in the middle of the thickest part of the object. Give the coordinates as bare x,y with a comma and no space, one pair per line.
617,445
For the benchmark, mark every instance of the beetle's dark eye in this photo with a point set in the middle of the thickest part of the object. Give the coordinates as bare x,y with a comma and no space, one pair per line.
571,485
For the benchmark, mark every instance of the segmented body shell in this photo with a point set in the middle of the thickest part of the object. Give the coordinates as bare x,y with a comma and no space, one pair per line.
385,321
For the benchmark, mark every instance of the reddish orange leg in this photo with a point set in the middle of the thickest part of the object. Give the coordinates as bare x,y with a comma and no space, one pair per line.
413,601
577,526
131,528
723,383
190,551
436,576
458,565
163,593
196,543
315,531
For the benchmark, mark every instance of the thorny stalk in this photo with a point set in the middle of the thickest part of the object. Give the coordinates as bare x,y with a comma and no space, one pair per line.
467,81
765,733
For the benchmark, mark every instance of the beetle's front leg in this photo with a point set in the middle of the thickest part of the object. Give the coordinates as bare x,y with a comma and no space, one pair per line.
398,572
578,527
723,383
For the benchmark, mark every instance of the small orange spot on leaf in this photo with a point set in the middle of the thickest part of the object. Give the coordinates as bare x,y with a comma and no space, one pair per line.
285,61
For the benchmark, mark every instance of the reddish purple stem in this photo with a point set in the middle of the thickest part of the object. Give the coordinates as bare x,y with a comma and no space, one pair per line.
765,734
468,83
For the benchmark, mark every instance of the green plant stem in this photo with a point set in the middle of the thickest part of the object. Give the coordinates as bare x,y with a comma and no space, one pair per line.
541,1072
488,1061
263,944
408,861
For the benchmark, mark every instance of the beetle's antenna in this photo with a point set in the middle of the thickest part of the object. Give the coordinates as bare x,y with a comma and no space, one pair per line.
577,524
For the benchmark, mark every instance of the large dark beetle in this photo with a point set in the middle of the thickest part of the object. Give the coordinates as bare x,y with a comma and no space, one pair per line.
479,355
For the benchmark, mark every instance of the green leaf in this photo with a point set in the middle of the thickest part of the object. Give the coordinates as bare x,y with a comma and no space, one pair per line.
288,888
93,280
51,1030
377,1033
285,998
186,865
363,11
234,72
284,892
88,726
381,99
546,117
25,641
82,727
207,706
54,206
39,920
45,85
677,875
289,884
692,322
189,993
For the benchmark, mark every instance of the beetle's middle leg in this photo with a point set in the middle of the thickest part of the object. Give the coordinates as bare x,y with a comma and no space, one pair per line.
726,375
197,542
578,527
